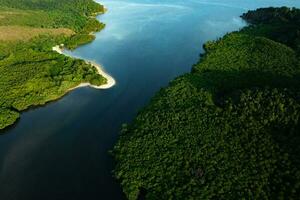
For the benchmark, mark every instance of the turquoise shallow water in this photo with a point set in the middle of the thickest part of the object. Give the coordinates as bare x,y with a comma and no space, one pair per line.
60,151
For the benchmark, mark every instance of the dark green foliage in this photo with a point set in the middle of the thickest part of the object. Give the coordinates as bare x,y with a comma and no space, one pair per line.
74,14
83,7
92,26
7,117
78,40
85,35
38,75
273,16
228,130
31,73
279,24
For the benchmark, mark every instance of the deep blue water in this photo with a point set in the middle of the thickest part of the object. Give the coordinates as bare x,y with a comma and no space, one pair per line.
60,151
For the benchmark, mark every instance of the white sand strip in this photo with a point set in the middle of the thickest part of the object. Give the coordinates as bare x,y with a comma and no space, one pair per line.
110,80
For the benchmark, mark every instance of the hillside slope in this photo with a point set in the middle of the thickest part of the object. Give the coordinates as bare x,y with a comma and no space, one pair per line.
227,130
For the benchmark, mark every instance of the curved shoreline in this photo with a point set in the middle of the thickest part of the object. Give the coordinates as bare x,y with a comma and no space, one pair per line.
110,80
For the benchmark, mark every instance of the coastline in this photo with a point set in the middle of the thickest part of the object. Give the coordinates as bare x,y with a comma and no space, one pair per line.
110,83
110,80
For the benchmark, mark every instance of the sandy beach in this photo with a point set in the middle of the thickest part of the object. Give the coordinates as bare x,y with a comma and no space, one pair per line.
110,80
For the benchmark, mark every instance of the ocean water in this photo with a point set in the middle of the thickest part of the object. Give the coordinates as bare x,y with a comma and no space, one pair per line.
60,151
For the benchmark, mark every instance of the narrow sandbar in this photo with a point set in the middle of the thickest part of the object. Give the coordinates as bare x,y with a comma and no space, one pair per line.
110,81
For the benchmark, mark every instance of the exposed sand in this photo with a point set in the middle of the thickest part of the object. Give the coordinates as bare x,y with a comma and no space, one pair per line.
57,49
110,80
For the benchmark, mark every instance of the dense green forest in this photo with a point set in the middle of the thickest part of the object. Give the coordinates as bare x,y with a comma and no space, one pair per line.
30,72
227,130
279,24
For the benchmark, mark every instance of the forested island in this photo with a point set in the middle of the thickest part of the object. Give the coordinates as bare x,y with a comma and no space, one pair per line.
31,73
230,128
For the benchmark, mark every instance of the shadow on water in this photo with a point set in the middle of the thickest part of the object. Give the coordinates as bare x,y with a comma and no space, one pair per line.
9,128
60,151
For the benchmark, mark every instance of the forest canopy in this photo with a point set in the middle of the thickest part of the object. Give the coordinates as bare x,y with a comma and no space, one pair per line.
227,130
31,73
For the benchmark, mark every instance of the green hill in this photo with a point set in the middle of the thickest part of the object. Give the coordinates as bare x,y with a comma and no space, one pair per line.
227,130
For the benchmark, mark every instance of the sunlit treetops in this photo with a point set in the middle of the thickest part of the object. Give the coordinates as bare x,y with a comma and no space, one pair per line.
227,130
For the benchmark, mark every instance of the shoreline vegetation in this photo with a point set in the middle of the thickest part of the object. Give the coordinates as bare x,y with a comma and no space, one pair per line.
31,73
110,81
230,128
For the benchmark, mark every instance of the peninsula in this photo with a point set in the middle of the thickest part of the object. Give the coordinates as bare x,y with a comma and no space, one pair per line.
31,73
110,81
